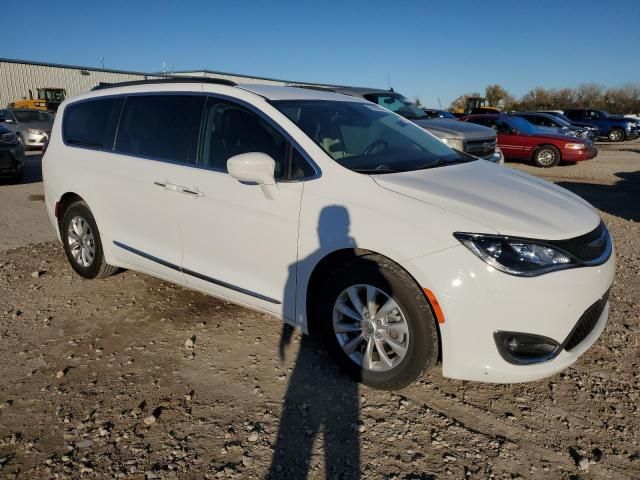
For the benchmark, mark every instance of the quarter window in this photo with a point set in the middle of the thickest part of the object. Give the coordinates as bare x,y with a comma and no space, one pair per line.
92,123
162,127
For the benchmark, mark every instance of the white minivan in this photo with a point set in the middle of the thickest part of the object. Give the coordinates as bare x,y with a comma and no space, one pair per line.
337,216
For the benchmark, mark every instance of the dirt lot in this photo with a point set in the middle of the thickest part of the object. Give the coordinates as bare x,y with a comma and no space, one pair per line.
130,377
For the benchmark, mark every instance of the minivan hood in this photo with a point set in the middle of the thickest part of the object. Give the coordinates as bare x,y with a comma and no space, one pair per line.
449,128
507,201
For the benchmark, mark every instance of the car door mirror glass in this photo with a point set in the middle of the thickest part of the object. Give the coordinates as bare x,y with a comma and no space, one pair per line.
257,168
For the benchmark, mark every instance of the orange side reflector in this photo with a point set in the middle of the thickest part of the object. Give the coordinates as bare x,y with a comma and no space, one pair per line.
435,305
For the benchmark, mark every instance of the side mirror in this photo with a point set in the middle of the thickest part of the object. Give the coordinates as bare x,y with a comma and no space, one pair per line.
255,167
6,120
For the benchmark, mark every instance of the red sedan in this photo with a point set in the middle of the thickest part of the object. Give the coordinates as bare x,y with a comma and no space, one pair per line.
520,140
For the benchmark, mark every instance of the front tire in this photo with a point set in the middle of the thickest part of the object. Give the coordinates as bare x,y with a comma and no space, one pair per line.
377,323
615,135
546,156
81,241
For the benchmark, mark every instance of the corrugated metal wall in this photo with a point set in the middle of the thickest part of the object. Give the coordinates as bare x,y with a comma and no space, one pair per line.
17,78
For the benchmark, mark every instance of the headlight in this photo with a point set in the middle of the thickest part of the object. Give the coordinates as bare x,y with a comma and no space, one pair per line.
574,146
516,256
454,143
35,131
8,138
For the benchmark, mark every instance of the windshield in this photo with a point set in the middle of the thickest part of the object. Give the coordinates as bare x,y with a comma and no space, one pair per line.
397,104
367,138
561,117
32,116
560,121
51,95
522,125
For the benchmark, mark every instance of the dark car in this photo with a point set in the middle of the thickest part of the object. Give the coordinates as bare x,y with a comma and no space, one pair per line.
554,124
520,140
11,154
437,113
614,127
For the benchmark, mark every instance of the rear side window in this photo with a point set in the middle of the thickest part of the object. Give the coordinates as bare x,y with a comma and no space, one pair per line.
92,123
162,127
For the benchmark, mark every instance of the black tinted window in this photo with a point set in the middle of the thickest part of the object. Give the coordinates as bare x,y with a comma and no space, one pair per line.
163,127
230,129
92,123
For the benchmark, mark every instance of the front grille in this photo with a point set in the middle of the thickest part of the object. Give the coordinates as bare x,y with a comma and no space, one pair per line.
480,148
588,247
587,322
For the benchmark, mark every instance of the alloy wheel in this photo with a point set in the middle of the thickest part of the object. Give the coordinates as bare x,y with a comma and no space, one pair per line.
546,156
615,135
81,241
370,327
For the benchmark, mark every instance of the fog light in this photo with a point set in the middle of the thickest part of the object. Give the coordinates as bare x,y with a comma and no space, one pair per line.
525,348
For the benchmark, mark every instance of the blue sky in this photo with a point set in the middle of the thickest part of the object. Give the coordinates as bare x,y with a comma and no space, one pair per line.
430,49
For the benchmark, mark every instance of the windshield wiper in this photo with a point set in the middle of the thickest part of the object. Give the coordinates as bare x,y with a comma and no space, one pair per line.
377,170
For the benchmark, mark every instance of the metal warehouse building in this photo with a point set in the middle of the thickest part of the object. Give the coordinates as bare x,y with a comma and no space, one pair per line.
17,77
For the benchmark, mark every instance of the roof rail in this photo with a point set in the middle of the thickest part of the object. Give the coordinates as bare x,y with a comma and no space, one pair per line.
320,88
177,79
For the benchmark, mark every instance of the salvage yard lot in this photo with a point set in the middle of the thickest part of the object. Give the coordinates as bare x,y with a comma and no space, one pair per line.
133,377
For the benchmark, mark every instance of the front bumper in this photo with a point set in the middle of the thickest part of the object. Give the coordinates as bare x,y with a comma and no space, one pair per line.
570,155
11,160
496,157
478,301
35,140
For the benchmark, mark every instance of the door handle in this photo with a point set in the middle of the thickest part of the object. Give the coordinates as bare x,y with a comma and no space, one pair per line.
190,191
172,187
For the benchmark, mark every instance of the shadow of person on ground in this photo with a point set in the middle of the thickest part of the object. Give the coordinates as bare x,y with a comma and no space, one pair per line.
320,400
621,199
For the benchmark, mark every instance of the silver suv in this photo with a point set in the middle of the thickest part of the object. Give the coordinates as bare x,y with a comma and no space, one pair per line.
475,140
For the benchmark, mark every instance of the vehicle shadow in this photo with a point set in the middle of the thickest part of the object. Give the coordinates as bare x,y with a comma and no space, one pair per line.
32,171
320,400
621,199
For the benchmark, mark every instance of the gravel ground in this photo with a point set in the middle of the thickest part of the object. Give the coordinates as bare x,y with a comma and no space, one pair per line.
131,377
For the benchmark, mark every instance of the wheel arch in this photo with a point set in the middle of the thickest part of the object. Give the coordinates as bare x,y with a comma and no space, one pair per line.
66,200
329,263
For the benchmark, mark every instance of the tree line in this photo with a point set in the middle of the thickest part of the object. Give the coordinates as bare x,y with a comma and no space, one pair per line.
619,100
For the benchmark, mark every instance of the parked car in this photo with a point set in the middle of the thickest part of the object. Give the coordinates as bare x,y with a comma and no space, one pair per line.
554,124
593,130
11,154
476,141
336,215
520,140
614,127
435,113
33,127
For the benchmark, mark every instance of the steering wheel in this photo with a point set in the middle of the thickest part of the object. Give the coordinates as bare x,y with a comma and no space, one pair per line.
369,150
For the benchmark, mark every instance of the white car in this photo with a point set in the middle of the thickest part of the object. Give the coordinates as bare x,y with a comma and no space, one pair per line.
337,216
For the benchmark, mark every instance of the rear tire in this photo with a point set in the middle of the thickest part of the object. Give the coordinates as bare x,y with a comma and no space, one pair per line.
615,135
398,345
82,244
546,156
